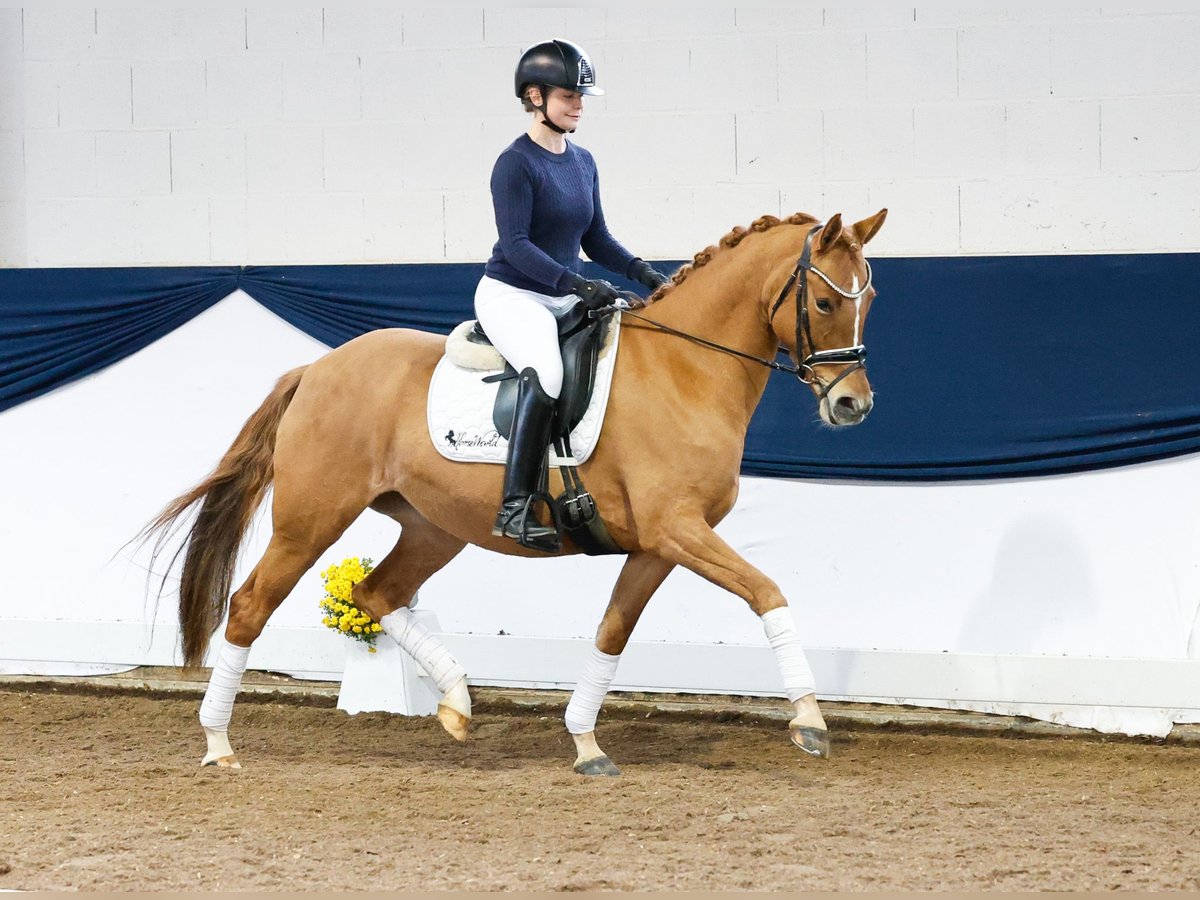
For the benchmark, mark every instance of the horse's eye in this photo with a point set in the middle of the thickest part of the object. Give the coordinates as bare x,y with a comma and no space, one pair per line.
824,306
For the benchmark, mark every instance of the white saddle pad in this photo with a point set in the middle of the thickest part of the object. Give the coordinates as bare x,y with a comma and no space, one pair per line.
459,410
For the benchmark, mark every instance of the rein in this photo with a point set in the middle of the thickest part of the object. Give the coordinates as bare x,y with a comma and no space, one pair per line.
853,358
713,345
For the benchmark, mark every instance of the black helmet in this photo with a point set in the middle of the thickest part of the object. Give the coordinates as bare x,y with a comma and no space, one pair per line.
557,64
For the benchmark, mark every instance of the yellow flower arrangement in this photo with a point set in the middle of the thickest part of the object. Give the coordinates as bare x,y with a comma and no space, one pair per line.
338,607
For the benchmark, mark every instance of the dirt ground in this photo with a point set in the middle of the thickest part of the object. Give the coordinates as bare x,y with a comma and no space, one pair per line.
101,790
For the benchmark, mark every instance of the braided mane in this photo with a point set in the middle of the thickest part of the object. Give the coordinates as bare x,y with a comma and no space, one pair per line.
732,239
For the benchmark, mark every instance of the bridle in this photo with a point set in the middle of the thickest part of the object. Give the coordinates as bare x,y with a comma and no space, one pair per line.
853,357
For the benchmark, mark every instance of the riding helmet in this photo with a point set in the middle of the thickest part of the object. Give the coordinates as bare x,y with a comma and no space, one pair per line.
557,64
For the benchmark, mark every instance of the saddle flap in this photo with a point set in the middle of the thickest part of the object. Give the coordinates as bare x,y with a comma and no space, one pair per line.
580,347
580,352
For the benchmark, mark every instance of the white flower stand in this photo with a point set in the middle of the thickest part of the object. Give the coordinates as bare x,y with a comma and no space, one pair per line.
388,680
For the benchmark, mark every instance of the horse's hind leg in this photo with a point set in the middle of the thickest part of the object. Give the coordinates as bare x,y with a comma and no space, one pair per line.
385,596
639,579
286,559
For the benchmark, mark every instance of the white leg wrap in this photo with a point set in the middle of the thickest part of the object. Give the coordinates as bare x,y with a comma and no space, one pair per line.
798,678
422,645
217,708
585,703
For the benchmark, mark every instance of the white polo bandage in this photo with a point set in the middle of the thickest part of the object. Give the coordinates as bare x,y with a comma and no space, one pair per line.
598,674
423,646
223,684
798,678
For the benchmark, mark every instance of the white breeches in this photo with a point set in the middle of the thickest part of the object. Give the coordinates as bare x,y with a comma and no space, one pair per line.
798,678
522,326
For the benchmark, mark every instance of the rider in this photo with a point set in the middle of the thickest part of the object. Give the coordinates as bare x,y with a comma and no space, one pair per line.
546,196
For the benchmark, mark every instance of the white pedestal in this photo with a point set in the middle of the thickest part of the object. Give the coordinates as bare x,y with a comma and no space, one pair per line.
388,680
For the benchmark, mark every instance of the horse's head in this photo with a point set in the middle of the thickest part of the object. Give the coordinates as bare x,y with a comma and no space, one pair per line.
820,313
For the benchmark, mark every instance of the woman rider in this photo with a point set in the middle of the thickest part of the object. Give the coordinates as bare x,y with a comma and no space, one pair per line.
546,196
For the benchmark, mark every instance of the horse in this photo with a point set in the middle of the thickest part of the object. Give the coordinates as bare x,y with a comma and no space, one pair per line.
348,433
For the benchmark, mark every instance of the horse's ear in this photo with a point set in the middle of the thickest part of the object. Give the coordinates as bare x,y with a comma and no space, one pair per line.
830,233
867,228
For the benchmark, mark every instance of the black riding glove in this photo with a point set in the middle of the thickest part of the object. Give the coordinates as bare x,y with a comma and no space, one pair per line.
644,273
595,294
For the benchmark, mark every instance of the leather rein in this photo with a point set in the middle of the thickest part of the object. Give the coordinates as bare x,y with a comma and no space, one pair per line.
853,357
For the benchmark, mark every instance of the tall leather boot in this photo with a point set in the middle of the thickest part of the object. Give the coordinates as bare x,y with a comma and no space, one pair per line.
527,442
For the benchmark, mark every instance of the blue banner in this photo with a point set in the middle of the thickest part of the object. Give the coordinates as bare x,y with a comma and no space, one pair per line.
983,367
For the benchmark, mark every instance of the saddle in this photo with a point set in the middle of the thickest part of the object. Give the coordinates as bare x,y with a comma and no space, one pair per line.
580,337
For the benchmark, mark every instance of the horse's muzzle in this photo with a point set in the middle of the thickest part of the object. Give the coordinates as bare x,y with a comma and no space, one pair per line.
849,409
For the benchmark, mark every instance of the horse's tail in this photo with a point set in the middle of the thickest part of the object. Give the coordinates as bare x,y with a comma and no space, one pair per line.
228,499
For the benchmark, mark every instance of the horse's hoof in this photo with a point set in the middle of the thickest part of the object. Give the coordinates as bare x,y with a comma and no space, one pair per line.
223,762
599,765
453,721
813,741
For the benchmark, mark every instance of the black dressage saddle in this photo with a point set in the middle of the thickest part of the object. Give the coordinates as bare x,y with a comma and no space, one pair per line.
580,338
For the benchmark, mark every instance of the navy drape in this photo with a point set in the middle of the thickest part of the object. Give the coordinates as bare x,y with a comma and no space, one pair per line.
1007,366
337,303
57,325
983,367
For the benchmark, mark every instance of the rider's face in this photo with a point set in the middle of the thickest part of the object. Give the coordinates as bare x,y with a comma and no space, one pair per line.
564,108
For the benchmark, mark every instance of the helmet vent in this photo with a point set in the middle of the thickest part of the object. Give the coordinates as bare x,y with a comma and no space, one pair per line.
586,75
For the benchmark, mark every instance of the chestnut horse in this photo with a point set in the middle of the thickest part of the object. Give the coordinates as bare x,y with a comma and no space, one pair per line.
694,362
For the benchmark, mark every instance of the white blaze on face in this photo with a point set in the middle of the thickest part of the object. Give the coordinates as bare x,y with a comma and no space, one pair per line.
857,313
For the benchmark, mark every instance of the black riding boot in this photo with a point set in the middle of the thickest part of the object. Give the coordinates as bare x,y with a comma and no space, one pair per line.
527,443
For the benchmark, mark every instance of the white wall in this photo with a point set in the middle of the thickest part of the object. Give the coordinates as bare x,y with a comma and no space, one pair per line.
196,135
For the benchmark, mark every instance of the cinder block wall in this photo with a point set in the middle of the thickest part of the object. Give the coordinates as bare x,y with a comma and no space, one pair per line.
153,136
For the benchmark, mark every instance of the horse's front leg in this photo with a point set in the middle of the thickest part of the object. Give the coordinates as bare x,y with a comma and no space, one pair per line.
639,579
693,544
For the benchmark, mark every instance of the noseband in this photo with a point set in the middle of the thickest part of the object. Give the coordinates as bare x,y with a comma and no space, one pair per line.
853,357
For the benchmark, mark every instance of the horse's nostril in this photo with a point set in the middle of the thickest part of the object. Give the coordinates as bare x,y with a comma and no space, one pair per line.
852,408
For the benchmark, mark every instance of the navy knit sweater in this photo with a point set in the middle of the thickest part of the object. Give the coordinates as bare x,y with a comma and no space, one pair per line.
547,209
